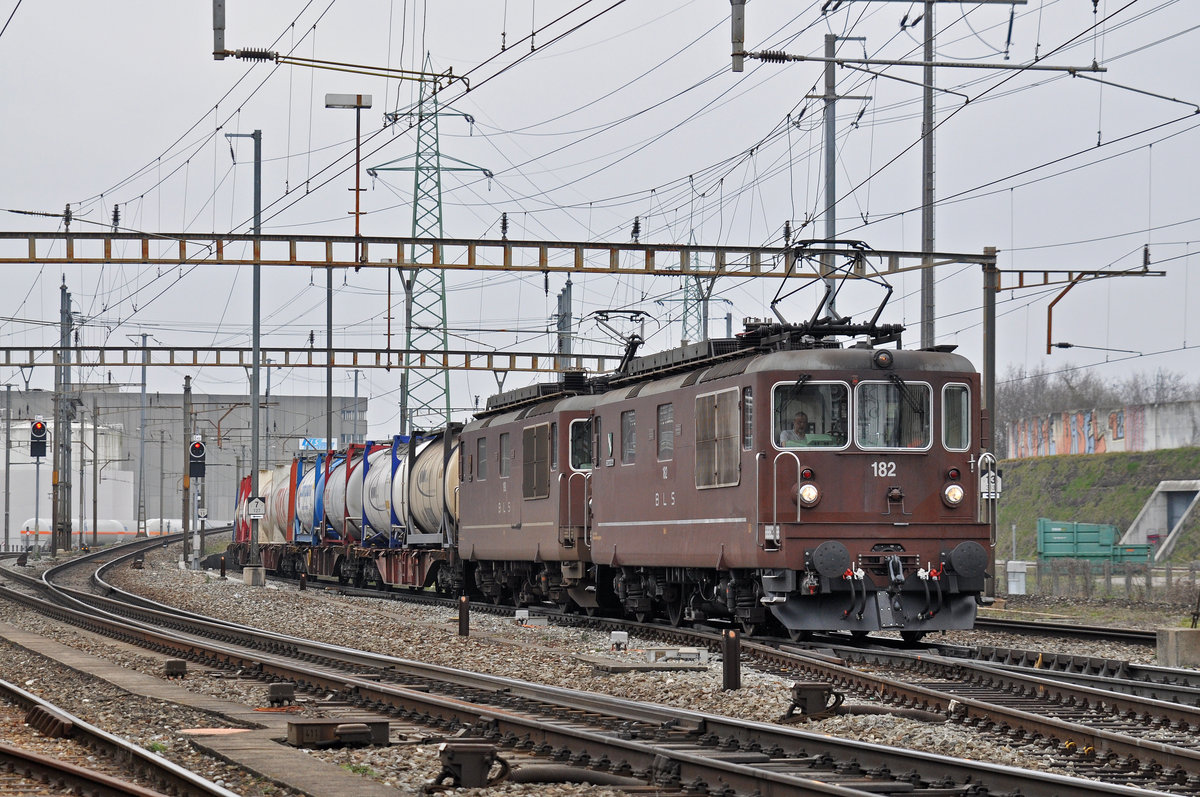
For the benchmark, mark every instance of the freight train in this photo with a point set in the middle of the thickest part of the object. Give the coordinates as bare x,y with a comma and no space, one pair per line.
807,476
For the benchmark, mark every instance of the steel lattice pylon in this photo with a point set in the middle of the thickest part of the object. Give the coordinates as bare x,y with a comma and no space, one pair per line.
426,391
693,310
696,291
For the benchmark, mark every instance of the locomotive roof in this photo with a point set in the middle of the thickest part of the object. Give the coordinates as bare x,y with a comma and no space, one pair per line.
861,359
763,346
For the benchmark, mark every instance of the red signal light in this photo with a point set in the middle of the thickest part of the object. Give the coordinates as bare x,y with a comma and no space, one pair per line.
807,474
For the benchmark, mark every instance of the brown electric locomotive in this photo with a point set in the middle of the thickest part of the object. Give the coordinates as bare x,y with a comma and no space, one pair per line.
778,477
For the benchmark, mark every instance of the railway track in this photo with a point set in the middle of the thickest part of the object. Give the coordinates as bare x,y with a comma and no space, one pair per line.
1122,718
1134,636
671,748
88,760
1078,703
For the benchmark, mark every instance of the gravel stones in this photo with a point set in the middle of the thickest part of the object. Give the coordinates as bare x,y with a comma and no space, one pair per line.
497,645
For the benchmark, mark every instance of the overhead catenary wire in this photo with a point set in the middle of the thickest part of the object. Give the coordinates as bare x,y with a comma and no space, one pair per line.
730,188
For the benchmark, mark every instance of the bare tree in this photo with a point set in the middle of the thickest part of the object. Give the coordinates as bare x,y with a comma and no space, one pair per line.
1022,393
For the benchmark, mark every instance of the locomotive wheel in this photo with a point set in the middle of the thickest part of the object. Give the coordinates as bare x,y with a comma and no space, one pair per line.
798,634
749,628
912,637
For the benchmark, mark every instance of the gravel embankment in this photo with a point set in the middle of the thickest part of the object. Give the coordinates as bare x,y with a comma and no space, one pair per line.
496,645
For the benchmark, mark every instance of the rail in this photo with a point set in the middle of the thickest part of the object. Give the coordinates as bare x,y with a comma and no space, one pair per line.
175,779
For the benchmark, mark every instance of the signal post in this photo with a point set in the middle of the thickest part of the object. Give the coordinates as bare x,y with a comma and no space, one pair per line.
196,453
37,450
185,514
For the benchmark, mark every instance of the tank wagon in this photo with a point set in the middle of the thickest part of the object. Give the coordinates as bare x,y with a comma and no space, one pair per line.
796,475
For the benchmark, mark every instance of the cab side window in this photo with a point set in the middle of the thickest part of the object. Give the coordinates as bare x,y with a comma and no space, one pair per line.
628,436
581,444
481,458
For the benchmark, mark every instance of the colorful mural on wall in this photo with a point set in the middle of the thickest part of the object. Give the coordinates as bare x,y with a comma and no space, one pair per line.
1096,431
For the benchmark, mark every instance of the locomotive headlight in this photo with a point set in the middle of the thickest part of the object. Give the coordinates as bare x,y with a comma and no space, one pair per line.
952,494
809,494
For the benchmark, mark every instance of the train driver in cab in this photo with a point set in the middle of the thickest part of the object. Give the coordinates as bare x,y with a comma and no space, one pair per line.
798,434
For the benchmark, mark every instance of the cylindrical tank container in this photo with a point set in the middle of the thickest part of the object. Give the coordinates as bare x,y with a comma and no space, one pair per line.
279,501
336,487
312,484
241,522
377,488
267,530
433,485
354,496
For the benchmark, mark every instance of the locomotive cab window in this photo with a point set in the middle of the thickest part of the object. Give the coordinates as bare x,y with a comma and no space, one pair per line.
581,444
810,415
535,461
892,415
956,417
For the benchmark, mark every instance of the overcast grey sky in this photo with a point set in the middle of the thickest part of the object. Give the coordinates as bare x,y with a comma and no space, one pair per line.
620,110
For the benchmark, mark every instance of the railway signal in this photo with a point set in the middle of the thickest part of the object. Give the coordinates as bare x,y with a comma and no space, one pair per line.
196,453
37,439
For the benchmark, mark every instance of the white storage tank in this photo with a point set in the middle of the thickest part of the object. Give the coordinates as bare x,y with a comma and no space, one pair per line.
336,488
266,530
311,482
279,502
433,483
377,488
354,496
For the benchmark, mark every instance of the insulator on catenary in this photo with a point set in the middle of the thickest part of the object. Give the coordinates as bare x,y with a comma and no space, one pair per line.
255,54
773,56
